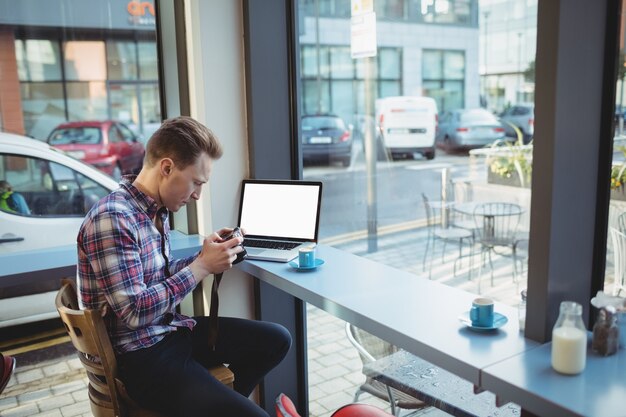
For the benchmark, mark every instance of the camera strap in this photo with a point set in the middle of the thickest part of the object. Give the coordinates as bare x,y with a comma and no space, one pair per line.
215,304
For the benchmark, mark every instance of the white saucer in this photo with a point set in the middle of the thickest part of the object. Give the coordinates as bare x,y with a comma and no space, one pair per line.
296,266
499,320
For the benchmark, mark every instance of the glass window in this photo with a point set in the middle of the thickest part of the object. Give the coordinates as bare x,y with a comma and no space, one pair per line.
148,68
84,61
41,188
454,65
432,65
615,271
419,71
389,63
449,65
341,63
310,60
75,135
121,60
86,101
38,60
43,108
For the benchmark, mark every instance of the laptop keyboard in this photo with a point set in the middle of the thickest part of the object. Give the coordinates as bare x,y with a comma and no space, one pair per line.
269,244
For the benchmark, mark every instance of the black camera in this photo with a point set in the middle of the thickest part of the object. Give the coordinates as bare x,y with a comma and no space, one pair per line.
236,233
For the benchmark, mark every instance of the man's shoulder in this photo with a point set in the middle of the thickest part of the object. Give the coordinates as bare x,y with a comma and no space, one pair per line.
117,203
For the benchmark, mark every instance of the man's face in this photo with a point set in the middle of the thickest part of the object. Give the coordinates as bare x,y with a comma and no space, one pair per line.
179,186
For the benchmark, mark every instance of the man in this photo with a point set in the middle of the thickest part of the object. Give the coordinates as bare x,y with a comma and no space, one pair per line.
11,201
125,269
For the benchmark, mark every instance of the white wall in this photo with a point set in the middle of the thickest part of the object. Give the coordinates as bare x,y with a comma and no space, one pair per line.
217,84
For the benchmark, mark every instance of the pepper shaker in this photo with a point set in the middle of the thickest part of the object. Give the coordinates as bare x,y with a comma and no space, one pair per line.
605,332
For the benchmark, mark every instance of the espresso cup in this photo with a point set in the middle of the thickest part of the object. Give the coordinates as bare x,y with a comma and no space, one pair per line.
306,257
481,312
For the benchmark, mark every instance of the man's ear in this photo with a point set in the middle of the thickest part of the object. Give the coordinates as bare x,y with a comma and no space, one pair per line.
166,166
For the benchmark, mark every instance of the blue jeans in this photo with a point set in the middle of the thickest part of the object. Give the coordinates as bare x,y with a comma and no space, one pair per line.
171,377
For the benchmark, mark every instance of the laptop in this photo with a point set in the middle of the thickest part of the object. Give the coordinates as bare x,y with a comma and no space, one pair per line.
279,217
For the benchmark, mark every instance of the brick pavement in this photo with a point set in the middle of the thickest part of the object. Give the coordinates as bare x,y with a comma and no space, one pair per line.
57,388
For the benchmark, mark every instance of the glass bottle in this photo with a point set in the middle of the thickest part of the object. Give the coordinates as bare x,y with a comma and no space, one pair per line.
521,311
569,340
605,332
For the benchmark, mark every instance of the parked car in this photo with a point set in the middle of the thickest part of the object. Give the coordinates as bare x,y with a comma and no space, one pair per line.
108,145
325,137
56,191
468,129
521,116
407,125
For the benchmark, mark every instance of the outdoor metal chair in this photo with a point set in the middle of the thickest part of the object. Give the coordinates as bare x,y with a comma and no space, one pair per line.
621,222
461,192
496,227
450,233
370,349
107,393
619,259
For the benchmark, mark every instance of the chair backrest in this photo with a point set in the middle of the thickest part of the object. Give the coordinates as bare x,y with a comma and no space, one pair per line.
619,259
90,338
370,347
497,222
429,211
621,222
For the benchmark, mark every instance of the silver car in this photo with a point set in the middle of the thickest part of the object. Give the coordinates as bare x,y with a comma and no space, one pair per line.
467,129
522,116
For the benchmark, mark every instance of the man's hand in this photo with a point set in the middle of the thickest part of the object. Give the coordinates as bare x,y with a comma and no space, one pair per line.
216,255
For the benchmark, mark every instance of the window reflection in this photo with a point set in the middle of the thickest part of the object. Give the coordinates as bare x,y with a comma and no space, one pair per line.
85,66
435,59
615,271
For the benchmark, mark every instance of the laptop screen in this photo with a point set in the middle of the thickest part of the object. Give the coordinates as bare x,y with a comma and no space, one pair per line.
280,209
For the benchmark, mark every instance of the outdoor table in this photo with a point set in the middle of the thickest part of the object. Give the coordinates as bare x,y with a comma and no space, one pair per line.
477,208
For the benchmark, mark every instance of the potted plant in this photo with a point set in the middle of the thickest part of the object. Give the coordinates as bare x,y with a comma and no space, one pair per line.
511,165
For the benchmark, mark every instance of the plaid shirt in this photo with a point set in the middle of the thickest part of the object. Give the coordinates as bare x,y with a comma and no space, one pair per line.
124,267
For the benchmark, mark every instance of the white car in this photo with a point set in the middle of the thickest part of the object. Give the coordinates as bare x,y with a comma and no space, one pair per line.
407,125
44,196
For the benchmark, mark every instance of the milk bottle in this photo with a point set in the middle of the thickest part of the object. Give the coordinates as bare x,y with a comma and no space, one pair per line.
569,340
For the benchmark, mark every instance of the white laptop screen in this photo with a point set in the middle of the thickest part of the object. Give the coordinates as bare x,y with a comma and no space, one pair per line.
281,209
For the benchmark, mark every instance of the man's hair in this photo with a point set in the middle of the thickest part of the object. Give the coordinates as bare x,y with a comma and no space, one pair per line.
5,186
183,140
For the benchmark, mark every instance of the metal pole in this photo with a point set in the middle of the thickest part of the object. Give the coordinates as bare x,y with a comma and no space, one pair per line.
518,94
445,175
318,56
486,15
370,160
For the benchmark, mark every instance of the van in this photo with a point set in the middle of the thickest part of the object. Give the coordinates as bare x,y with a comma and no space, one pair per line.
407,125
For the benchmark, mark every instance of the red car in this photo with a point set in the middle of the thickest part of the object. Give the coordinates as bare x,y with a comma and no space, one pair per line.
108,145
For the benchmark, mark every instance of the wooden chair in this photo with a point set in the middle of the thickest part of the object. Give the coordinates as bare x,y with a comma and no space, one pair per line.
107,394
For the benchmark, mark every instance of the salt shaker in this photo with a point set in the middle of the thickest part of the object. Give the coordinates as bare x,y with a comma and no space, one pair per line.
605,332
521,311
569,340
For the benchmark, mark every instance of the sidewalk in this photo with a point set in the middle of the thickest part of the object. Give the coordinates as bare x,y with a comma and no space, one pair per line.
57,388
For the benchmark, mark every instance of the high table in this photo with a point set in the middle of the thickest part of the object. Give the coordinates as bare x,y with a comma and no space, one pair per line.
421,317
528,379
418,315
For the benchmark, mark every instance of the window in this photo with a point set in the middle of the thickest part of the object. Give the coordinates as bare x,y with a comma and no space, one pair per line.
72,80
427,62
41,188
444,78
340,79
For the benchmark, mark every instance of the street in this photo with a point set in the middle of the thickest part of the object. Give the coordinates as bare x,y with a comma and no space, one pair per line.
399,188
